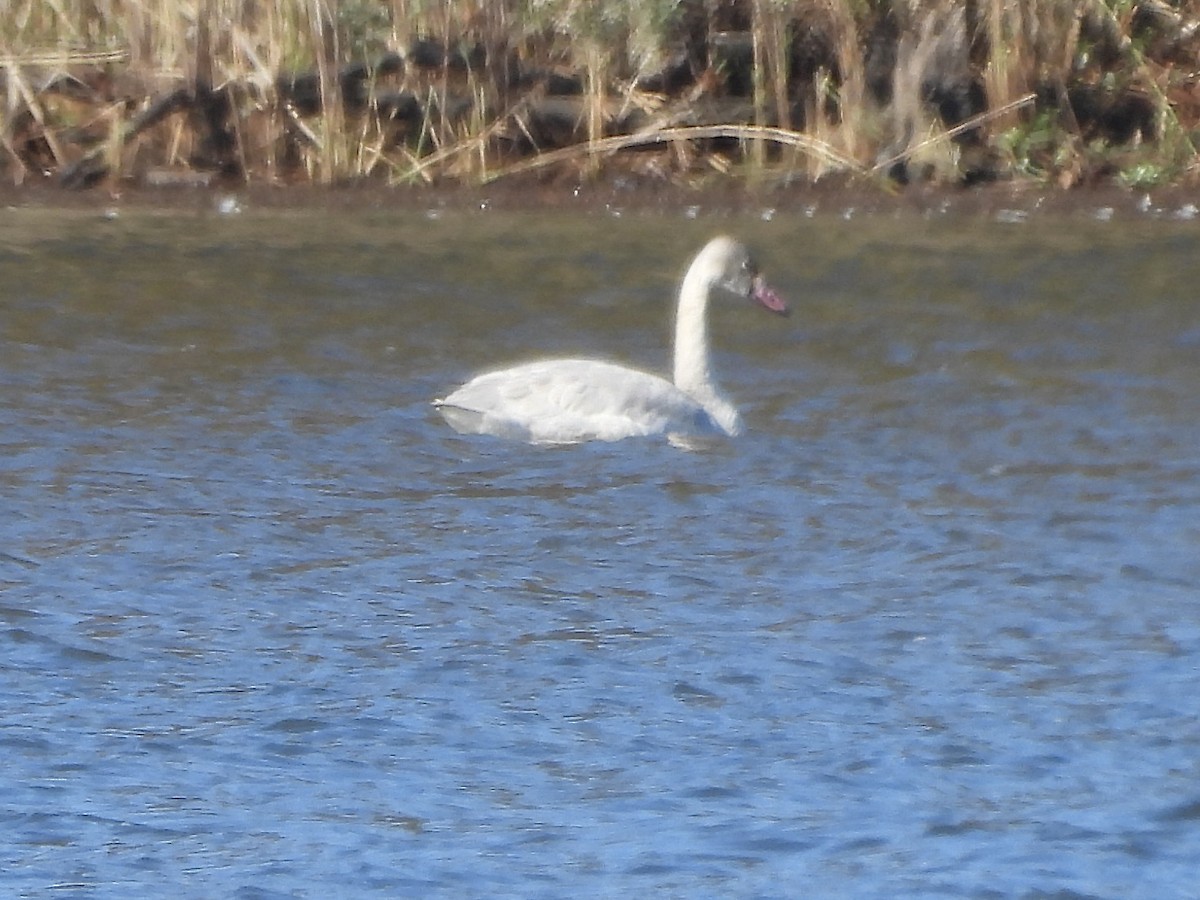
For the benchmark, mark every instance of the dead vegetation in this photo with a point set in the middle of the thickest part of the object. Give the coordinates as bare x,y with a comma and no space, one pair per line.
682,91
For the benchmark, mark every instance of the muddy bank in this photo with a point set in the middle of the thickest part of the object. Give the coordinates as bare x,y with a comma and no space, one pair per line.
841,198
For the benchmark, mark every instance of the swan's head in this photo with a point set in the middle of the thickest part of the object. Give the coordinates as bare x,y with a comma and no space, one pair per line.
733,268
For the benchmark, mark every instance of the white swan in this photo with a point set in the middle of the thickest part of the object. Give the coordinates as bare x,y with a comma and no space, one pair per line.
565,401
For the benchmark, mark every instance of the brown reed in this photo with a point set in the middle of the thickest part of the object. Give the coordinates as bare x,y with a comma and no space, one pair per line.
478,120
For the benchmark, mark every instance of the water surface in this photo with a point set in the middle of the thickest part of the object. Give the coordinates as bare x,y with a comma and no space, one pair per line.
269,628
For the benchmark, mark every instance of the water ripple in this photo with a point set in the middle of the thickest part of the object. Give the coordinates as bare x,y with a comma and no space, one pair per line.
270,629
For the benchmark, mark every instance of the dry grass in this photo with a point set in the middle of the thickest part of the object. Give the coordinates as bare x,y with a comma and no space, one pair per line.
82,78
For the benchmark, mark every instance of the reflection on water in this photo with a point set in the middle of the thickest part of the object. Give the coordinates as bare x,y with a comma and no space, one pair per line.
269,628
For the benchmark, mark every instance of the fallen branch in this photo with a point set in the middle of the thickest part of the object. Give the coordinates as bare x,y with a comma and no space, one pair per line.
61,57
613,144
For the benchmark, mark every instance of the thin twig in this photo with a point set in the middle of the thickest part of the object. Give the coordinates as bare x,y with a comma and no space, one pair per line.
970,123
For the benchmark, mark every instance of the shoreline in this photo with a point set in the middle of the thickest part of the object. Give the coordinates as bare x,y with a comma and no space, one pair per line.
1011,202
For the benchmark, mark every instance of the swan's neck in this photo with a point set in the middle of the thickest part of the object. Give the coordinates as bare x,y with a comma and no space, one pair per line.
693,374
693,371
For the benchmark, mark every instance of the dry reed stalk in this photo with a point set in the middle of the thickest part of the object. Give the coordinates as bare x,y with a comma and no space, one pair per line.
817,126
174,142
758,42
849,131
998,71
259,119
1025,41
778,63
852,93
20,85
333,156
422,166
595,100
114,144
479,125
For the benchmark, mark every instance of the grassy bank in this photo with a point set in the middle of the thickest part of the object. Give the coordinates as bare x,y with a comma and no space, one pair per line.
682,91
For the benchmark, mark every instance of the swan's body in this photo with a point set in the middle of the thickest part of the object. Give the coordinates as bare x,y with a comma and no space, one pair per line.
564,401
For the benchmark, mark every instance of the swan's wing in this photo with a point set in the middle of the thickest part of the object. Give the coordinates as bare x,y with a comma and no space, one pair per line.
570,400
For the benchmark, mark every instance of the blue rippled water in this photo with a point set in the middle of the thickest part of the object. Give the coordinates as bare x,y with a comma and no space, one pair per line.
270,629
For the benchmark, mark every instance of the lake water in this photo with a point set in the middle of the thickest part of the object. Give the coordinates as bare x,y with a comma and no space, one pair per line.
269,628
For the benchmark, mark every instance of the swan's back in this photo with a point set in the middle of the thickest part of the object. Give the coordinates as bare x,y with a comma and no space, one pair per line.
566,401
